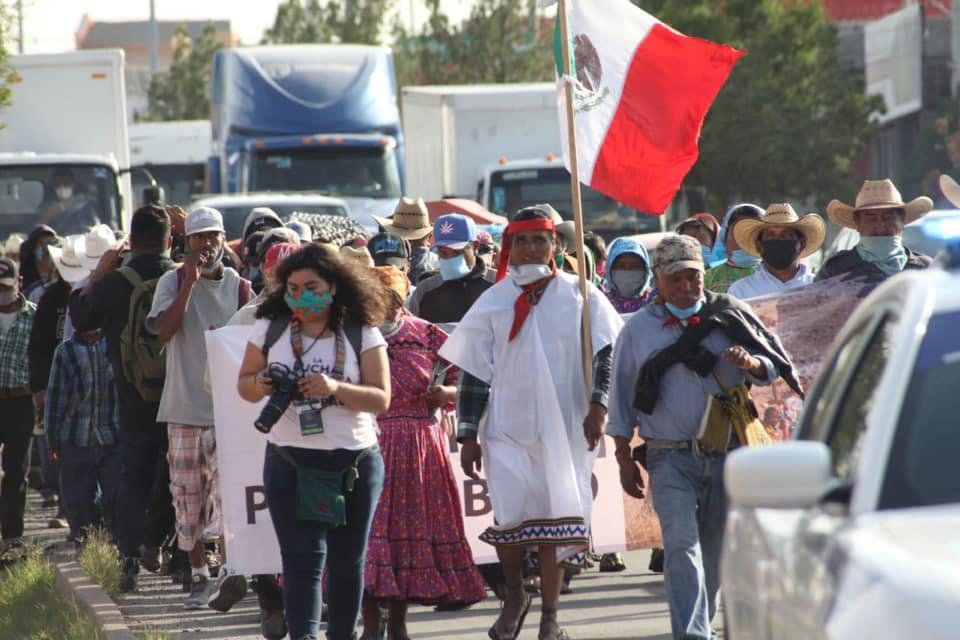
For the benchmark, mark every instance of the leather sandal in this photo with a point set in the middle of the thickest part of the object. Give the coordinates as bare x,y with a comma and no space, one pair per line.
493,634
549,627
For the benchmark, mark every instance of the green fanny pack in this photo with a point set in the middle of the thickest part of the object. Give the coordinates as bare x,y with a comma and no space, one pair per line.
321,492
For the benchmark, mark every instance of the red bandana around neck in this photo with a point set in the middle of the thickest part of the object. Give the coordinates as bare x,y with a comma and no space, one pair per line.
527,300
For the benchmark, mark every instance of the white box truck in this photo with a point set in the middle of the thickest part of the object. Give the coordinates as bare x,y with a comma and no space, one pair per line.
174,154
500,145
64,151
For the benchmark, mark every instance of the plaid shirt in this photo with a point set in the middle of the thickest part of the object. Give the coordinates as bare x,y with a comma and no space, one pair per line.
719,279
81,396
14,372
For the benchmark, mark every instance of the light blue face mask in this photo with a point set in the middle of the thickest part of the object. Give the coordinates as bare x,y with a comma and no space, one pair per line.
707,253
684,314
743,259
882,247
453,268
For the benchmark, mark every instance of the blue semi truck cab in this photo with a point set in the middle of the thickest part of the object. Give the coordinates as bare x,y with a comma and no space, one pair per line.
318,118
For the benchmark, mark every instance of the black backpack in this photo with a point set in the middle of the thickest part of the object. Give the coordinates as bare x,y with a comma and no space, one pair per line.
278,325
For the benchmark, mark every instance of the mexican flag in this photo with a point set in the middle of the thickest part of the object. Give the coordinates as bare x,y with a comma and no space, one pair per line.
641,93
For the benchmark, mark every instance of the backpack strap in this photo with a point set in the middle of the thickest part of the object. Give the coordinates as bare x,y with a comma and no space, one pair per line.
354,333
130,276
276,328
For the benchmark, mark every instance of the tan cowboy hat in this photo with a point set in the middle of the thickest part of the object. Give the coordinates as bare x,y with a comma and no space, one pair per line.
411,220
811,226
950,189
359,255
878,194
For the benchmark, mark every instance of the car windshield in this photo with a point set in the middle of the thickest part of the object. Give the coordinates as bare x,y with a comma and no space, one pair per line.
69,198
181,182
517,188
921,468
235,215
361,172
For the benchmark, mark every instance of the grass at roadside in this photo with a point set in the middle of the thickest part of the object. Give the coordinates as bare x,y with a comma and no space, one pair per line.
101,560
32,609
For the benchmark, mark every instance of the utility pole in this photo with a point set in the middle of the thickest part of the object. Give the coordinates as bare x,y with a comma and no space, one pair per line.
20,26
153,40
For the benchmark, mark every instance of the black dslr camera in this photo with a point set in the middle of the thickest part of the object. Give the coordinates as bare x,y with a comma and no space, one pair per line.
285,390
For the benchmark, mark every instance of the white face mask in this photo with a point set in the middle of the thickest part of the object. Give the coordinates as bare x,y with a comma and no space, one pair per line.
7,296
212,266
64,193
524,274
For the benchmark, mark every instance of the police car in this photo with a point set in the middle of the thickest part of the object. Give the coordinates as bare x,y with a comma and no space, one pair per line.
853,529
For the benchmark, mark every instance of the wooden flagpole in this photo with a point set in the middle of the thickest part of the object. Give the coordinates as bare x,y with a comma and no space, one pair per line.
586,338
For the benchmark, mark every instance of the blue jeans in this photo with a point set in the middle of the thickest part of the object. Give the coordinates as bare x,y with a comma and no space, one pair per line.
305,546
689,498
89,480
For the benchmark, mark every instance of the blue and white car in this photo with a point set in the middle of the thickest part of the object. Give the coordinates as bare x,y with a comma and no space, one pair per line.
853,529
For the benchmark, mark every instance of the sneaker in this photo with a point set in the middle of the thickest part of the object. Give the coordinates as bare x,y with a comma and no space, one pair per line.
198,593
129,571
12,543
50,501
228,590
58,523
273,624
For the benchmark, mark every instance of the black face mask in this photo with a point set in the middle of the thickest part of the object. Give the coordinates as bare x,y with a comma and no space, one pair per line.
779,254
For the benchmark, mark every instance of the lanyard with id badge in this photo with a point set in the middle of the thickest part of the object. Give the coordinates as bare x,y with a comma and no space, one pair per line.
310,411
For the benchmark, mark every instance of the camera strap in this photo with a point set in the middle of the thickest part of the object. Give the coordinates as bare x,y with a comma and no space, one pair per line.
296,343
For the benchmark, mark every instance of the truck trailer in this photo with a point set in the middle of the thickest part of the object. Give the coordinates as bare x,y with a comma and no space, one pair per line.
317,118
174,154
500,144
64,152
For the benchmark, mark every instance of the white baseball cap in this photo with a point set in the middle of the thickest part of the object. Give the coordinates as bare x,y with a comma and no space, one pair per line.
203,219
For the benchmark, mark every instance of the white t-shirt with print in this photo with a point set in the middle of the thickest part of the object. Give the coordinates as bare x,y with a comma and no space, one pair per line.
344,428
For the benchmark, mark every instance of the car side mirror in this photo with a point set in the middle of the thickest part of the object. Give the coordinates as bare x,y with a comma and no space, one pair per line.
787,475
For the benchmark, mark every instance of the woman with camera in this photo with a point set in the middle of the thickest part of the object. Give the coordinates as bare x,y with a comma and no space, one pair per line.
418,550
316,339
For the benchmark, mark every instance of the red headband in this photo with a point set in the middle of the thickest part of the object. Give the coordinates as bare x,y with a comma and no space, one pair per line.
536,224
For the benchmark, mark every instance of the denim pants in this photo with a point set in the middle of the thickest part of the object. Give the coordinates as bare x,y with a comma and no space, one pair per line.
89,480
305,546
689,498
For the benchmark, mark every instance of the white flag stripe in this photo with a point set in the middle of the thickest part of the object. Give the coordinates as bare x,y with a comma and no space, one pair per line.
615,28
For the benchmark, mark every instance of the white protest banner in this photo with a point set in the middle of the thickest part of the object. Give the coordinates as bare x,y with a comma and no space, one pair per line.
248,531
247,528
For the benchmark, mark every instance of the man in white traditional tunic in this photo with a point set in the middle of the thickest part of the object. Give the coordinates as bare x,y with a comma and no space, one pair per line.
523,372
782,239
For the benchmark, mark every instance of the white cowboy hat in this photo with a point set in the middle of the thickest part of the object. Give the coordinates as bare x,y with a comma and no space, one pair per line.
411,220
878,194
950,189
68,259
98,241
811,226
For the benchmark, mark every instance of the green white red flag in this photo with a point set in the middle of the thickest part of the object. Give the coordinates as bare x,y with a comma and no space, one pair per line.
641,93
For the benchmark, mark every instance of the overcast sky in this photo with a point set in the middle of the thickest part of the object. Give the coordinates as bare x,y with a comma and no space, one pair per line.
50,25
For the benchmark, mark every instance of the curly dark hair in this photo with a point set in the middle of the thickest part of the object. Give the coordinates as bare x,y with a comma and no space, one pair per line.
360,296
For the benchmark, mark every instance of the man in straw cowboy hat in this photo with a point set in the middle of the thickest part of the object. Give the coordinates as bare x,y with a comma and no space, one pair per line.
782,239
879,215
411,221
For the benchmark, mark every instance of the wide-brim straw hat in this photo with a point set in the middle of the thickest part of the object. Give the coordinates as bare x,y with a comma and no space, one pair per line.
411,220
950,189
810,226
878,194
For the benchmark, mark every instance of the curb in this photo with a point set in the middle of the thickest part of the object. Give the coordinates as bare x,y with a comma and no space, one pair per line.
73,581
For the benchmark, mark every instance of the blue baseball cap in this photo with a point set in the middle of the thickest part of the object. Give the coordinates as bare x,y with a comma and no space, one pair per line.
454,231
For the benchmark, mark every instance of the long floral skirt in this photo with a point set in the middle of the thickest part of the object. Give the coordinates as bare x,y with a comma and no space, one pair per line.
418,551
